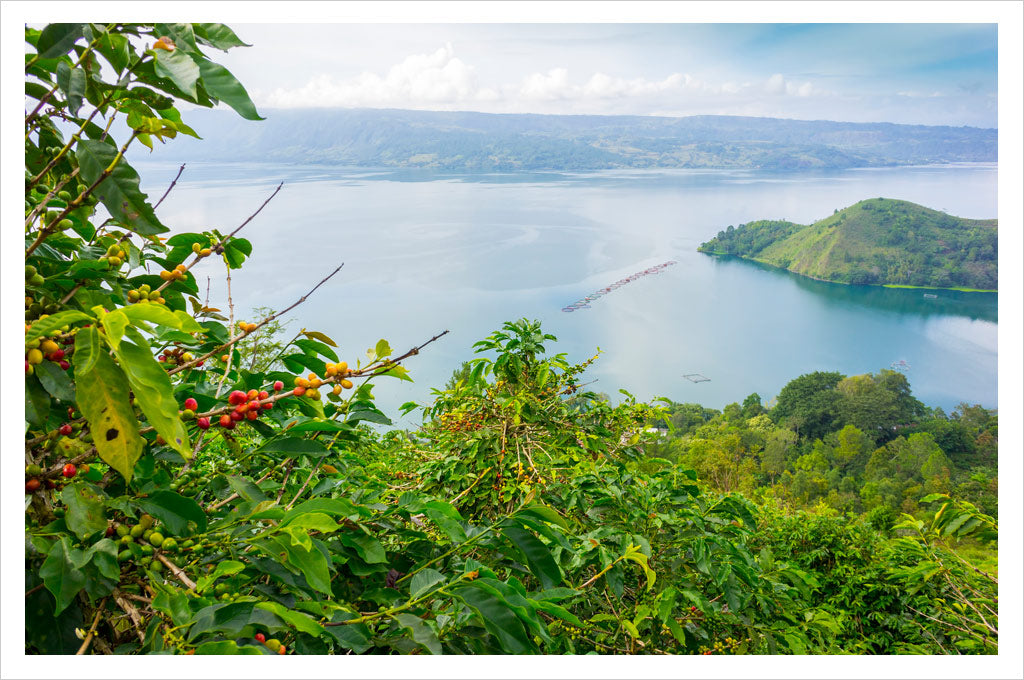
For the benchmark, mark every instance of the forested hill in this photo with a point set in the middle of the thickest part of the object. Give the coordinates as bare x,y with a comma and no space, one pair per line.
480,142
877,241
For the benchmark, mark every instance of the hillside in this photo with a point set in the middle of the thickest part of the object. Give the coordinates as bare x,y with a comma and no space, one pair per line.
877,241
480,142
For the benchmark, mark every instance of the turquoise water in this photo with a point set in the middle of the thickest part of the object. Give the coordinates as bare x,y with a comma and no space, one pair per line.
426,252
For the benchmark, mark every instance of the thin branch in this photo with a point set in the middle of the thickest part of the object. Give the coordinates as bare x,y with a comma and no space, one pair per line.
231,331
133,613
302,488
284,482
470,487
176,570
92,629
175,181
44,232
250,218
265,321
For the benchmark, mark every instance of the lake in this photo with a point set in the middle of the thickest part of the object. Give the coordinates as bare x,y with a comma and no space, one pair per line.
425,252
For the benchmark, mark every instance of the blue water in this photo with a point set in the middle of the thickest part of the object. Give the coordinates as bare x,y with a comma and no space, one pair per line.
427,252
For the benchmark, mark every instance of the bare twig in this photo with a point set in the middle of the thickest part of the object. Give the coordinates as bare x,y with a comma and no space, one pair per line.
470,487
176,570
231,336
250,218
302,488
133,613
265,321
173,182
284,482
92,629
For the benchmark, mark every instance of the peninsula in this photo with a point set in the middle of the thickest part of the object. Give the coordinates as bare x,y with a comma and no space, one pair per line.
878,241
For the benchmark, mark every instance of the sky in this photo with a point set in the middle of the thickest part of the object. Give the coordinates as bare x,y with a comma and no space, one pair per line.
934,74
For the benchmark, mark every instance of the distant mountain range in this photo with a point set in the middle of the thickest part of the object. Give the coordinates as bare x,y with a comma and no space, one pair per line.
877,241
483,142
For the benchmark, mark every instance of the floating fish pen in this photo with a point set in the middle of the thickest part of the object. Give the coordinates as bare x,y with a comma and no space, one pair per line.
584,303
696,378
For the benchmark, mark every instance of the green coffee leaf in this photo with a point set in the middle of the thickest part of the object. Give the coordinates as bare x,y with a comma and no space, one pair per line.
420,631
220,84
72,84
84,504
54,322
498,618
153,391
61,572
119,192
159,314
56,381
179,68
37,402
317,335
175,511
538,556
301,622
57,39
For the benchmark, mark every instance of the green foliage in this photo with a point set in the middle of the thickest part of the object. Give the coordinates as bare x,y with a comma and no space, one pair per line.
178,501
878,241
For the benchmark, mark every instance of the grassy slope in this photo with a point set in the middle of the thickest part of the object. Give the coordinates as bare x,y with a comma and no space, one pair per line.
878,241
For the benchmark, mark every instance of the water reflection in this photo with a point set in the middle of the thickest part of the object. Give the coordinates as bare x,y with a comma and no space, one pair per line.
904,301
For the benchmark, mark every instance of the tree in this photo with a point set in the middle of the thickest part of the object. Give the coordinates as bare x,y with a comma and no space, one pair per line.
810,404
878,404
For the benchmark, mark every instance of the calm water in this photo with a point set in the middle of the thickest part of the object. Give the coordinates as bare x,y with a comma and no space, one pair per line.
426,252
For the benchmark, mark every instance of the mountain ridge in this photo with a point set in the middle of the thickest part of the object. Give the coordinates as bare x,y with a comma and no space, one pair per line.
496,142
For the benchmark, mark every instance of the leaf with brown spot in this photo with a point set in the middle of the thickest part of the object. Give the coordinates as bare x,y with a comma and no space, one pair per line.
103,400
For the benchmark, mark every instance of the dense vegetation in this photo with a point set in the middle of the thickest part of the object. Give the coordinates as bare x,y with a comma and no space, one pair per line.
197,484
481,142
878,241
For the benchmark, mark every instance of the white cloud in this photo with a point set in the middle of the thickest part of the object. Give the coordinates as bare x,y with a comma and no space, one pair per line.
778,85
440,80
419,80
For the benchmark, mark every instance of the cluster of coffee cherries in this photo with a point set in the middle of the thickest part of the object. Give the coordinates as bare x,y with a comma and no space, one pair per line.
460,421
273,644
310,386
176,274
727,645
115,256
38,349
143,294
200,251
33,277
248,406
33,474
150,538
175,356
38,307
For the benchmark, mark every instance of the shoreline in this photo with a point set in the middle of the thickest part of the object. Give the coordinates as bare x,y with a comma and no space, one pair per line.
842,283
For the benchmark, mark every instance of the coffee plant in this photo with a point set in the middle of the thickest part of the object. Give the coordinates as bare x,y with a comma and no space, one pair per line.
190,491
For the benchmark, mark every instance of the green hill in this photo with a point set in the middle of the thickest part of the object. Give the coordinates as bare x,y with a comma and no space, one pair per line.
879,241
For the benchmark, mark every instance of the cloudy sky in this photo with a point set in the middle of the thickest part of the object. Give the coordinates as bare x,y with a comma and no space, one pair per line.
936,74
